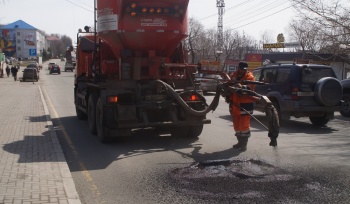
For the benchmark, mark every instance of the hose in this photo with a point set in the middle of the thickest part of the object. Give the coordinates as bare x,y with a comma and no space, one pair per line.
273,124
214,104
271,112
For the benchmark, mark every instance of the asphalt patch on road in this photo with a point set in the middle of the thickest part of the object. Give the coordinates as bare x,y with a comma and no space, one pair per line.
248,181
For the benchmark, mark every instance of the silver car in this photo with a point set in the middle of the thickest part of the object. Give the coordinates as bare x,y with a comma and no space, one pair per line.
209,82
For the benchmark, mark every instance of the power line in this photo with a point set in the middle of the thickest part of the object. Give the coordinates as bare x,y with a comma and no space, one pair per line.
262,18
262,11
226,10
79,6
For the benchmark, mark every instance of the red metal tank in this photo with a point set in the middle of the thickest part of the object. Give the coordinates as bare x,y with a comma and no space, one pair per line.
141,26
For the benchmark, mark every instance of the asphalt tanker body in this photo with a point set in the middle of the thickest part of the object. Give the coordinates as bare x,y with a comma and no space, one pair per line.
132,72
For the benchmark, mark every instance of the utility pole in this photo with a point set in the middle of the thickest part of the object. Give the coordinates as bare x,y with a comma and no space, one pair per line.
220,4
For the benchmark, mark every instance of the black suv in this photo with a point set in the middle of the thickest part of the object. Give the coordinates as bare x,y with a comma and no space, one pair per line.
346,97
301,90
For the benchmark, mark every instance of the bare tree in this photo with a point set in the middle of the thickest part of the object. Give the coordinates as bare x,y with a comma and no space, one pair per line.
195,35
328,24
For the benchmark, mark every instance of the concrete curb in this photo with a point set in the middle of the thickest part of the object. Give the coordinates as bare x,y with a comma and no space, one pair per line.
68,183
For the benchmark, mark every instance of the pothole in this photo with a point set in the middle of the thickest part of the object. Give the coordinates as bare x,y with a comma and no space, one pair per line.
233,168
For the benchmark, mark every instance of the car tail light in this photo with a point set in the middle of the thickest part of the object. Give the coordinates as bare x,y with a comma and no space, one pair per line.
295,94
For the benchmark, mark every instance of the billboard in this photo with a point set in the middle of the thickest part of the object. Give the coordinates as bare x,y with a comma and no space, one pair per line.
253,60
8,42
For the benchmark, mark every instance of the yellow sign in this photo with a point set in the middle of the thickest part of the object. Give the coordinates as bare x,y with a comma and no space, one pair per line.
253,65
210,65
273,45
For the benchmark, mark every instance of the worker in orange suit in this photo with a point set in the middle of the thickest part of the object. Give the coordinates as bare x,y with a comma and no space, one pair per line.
241,105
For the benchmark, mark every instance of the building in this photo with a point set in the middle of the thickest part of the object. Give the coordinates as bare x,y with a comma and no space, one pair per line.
341,68
21,40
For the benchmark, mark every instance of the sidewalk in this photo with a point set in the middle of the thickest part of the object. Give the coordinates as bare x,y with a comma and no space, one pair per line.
32,165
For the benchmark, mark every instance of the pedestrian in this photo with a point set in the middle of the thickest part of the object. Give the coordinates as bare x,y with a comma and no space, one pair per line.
14,71
242,106
8,70
69,54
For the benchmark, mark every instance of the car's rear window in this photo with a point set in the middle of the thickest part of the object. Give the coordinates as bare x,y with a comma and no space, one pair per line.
312,75
29,70
31,66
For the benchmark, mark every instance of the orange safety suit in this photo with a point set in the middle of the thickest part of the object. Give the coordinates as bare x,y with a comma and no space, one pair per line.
240,118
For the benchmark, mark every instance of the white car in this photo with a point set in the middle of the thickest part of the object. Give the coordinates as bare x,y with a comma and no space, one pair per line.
209,82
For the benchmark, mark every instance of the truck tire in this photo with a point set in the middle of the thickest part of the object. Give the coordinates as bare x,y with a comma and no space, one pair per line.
80,114
195,131
102,131
179,131
187,131
92,113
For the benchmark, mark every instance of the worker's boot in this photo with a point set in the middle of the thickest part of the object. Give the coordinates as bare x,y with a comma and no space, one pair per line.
242,143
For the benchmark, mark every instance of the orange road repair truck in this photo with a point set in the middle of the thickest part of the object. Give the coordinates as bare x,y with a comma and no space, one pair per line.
132,71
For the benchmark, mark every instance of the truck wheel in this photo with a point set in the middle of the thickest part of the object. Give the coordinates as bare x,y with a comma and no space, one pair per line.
80,114
319,121
102,132
195,131
179,131
92,113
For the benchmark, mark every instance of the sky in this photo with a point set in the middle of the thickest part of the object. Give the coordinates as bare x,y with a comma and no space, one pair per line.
65,17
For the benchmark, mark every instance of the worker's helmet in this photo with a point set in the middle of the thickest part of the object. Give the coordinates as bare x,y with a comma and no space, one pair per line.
243,65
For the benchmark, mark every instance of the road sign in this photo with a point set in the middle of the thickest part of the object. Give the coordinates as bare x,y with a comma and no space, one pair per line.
32,52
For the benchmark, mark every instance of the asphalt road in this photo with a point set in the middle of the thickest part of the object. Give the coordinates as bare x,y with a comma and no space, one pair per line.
309,165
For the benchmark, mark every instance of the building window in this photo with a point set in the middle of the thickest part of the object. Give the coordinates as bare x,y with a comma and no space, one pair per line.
18,41
18,34
19,48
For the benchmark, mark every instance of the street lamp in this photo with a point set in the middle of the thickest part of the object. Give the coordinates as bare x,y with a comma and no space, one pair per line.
218,54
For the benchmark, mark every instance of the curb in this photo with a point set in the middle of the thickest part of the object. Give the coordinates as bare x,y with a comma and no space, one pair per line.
68,183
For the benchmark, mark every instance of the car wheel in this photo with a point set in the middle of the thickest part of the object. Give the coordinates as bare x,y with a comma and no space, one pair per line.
346,111
328,91
319,121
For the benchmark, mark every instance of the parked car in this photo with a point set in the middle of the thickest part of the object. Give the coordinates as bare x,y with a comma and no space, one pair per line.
55,69
30,73
50,65
346,97
301,90
68,67
34,65
208,82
